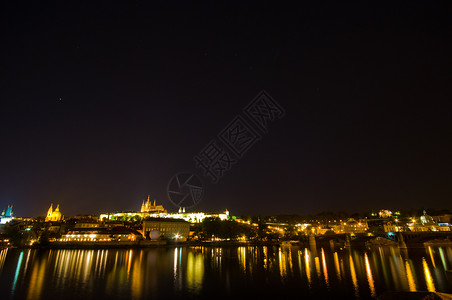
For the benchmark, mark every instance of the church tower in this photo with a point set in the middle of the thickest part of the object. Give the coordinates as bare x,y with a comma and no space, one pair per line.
146,207
53,215
49,213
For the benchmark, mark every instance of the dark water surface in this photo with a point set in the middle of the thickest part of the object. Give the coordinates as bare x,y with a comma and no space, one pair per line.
219,272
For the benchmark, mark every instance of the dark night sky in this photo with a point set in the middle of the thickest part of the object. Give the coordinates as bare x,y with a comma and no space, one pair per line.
102,104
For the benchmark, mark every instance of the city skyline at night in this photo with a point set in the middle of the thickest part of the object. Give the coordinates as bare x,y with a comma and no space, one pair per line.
103,105
206,149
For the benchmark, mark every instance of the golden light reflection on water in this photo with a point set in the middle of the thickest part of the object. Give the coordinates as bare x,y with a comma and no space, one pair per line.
353,274
325,269
195,271
282,263
3,253
241,251
431,256
336,265
370,278
308,267
175,264
395,272
136,284
299,254
410,277
428,276
129,262
290,260
37,280
143,273
317,266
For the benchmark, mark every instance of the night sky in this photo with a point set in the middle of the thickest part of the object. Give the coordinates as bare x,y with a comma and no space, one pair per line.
101,104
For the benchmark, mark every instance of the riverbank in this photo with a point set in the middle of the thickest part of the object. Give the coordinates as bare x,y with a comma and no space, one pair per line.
331,243
145,244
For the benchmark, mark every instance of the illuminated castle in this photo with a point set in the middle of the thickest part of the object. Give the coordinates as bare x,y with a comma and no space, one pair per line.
53,215
147,207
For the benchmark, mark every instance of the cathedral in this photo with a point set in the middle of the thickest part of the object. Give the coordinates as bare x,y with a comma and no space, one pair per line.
53,215
148,207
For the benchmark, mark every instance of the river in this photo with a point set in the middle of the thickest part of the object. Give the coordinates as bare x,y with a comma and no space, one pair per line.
231,272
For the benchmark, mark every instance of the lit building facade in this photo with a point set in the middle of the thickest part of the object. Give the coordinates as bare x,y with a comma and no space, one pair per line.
100,235
351,226
196,217
427,223
53,215
171,229
151,210
148,207
7,215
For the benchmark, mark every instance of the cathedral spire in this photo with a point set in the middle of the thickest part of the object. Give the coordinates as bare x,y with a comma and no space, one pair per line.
49,212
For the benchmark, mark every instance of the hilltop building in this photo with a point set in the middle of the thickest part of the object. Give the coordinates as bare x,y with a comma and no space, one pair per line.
53,215
147,207
7,215
197,217
151,210
385,213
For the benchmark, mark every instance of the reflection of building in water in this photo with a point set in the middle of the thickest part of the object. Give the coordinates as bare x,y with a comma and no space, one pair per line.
7,215
410,277
308,266
336,265
428,276
370,279
195,271
53,215
325,269
37,279
354,278
3,257
136,280
171,229
140,273
282,263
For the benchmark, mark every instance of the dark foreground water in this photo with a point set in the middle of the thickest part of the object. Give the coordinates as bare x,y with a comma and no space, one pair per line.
224,272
